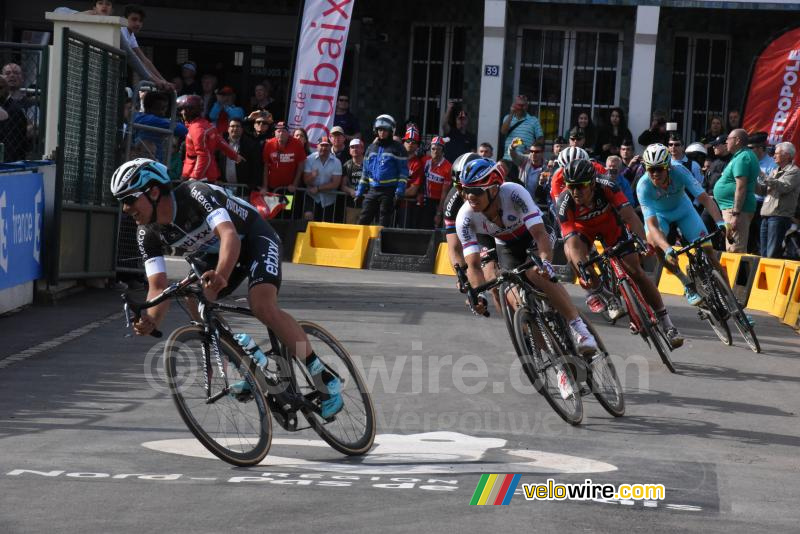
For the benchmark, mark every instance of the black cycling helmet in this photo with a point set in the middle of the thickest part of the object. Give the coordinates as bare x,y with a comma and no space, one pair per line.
579,171
461,162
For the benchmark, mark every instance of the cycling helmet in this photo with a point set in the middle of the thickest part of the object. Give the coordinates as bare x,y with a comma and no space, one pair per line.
482,172
461,162
571,153
384,121
579,171
137,176
696,149
656,155
193,104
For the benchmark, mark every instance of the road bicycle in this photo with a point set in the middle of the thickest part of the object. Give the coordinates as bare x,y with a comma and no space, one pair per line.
227,396
615,280
548,354
719,303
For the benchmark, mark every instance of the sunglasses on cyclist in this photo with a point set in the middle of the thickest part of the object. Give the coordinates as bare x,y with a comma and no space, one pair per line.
477,191
577,187
657,168
130,200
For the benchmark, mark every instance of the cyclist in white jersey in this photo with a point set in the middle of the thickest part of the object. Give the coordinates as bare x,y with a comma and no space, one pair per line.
507,212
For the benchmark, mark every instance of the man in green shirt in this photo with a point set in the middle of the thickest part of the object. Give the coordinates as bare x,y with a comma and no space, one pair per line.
735,190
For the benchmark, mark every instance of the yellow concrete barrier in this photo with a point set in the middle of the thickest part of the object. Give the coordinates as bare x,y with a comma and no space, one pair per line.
443,265
731,261
785,285
793,306
765,284
334,245
669,284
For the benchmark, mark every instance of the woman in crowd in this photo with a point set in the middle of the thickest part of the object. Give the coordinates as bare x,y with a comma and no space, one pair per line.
302,135
714,131
612,135
584,121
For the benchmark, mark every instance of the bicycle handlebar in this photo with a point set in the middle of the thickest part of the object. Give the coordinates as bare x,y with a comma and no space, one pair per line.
697,242
633,244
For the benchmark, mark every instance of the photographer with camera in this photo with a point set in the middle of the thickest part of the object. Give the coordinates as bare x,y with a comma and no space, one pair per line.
657,133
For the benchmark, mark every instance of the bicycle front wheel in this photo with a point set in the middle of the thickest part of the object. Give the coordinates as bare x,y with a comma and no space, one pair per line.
226,413
544,363
603,379
508,314
352,430
649,328
713,309
737,312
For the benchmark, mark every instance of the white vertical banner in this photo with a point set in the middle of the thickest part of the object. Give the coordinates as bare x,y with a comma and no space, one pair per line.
318,66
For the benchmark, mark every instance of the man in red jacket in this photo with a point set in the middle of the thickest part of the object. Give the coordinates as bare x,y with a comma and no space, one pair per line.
202,142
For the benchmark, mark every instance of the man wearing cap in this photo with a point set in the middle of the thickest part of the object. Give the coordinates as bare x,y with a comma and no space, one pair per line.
189,76
437,177
322,175
678,156
224,109
339,146
409,208
284,157
721,159
757,142
352,171
735,190
577,137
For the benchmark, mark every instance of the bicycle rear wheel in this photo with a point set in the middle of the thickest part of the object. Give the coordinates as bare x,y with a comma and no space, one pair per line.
352,430
235,427
544,363
737,312
602,378
649,328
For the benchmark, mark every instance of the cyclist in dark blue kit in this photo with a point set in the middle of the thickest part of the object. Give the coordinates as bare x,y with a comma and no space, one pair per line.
200,217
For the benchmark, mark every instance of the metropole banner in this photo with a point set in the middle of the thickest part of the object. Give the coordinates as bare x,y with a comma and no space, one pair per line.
21,208
773,101
318,66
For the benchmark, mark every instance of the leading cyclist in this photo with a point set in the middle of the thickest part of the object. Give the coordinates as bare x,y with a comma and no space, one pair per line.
662,194
200,217
507,212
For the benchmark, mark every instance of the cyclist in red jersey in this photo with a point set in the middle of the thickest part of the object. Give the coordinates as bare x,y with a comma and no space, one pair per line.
202,142
565,156
591,207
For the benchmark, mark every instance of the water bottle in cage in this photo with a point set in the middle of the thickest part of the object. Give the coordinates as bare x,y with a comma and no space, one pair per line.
252,349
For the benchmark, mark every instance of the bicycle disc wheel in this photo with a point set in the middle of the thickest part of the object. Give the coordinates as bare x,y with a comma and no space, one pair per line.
236,428
737,312
602,378
508,316
352,430
713,309
543,362
647,329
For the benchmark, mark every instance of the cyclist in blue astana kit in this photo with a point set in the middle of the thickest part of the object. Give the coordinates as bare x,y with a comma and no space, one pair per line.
662,194
200,217
507,212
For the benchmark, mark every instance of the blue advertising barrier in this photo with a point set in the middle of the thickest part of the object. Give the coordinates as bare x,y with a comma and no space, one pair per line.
21,211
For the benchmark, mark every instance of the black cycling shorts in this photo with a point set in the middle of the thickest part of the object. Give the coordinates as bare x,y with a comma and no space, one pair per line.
514,253
259,259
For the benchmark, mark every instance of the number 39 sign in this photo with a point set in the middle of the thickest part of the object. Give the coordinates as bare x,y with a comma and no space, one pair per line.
491,70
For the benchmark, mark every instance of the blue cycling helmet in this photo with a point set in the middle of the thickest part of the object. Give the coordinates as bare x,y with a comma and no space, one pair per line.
138,175
482,172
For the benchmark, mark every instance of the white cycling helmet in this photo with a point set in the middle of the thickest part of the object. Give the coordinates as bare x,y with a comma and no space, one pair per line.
138,175
569,154
656,155
696,149
384,121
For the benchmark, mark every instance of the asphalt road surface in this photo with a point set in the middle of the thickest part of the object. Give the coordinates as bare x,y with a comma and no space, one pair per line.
90,440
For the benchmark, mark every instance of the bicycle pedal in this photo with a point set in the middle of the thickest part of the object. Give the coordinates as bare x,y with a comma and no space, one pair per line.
585,390
634,330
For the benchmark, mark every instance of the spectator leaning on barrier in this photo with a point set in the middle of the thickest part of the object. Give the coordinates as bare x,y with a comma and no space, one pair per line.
225,109
339,146
345,119
135,15
782,189
322,176
437,183
519,123
13,130
734,191
249,171
283,158
454,127
202,142
409,206
352,171
151,144
485,150
385,173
